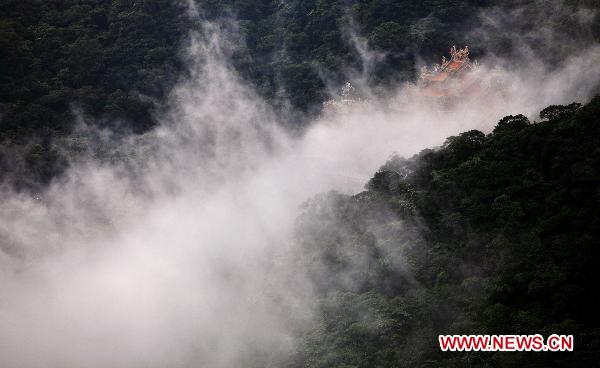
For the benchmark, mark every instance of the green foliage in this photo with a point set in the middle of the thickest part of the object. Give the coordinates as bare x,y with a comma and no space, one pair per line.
115,60
503,239
97,57
488,234
556,112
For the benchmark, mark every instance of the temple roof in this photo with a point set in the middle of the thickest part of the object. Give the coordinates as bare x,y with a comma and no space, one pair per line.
459,60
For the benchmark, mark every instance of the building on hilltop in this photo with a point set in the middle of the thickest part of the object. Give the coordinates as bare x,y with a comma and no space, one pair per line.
450,80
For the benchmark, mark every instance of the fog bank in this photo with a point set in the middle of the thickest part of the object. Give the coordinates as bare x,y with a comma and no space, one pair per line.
179,254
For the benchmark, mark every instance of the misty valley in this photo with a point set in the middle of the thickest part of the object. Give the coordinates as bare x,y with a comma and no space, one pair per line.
248,183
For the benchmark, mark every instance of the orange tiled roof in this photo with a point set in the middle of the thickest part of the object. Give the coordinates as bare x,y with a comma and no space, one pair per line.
455,65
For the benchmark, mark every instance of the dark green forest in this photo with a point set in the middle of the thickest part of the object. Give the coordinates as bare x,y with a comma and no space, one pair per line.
114,62
490,234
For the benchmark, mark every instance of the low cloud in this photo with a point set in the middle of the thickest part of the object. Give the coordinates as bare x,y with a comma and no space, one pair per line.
180,253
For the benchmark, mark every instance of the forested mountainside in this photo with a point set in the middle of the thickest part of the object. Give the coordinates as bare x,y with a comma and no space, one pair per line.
184,245
491,234
114,61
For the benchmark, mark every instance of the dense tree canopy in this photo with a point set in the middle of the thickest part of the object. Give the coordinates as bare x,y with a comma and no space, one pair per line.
490,234
107,59
115,60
